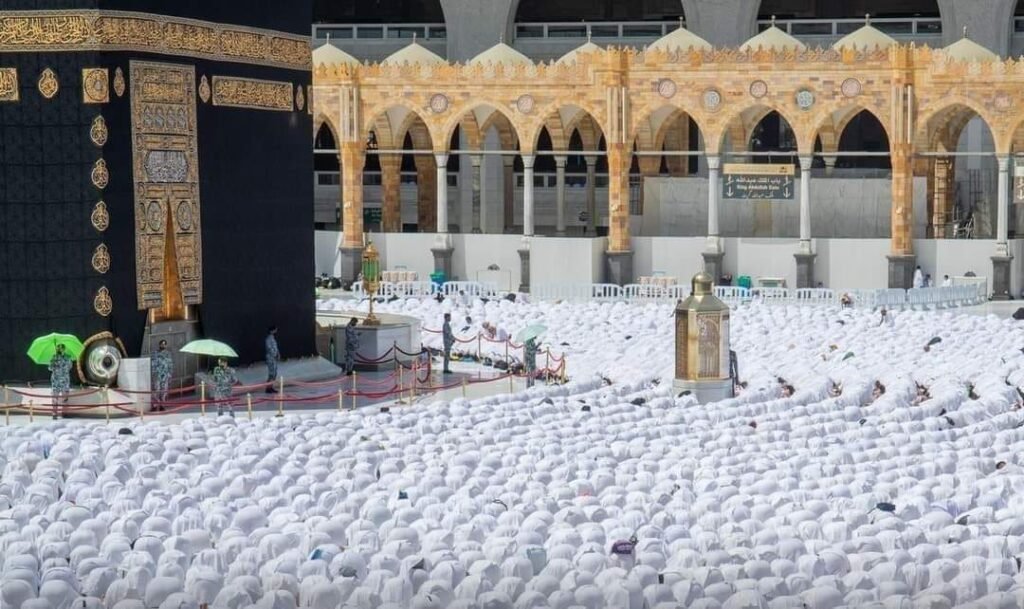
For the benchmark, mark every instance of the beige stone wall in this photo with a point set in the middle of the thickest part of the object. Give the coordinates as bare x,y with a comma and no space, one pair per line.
922,99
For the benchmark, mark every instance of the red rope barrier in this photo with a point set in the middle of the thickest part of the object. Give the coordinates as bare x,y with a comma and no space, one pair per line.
49,396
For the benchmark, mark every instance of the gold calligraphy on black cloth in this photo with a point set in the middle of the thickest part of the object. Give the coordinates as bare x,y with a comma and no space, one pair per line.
168,243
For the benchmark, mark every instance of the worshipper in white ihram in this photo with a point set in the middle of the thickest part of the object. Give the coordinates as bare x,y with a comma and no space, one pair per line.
918,278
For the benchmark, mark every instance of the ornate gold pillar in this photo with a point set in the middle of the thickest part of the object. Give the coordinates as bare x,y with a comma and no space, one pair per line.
353,159
619,161
391,187
941,196
901,255
426,202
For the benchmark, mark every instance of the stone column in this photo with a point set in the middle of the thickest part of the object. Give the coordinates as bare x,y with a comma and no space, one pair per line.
483,194
620,257
805,204
442,192
391,187
477,219
591,194
509,186
560,161
1001,261
528,160
714,254
353,159
988,22
723,23
426,194
805,257
940,192
442,249
902,260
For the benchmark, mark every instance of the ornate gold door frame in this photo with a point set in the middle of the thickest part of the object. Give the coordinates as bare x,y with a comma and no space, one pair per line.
166,173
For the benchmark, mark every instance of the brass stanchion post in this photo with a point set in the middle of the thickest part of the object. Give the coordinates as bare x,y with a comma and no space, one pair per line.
341,399
547,367
202,397
415,378
401,383
479,351
354,391
463,388
31,410
248,404
565,365
280,397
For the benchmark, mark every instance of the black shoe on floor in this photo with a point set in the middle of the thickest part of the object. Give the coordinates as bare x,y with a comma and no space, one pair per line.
447,372
349,373
271,390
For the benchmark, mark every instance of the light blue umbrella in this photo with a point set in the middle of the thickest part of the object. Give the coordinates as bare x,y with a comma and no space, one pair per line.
532,331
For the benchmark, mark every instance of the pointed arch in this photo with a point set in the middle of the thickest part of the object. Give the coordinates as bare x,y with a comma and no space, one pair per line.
747,119
447,130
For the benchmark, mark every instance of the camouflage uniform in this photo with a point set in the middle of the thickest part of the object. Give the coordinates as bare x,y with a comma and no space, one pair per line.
530,360
449,341
271,355
163,370
223,380
60,379
351,345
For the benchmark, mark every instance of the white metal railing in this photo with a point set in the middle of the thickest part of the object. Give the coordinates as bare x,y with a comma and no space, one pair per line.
895,26
930,298
472,289
380,31
966,291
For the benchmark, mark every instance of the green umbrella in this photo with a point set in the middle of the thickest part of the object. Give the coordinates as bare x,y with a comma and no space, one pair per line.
529,332
45,347
210,347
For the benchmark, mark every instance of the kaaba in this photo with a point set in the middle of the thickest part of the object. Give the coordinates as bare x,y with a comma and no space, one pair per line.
155,175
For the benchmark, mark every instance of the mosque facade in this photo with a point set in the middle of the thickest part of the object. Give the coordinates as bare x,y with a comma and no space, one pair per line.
678,108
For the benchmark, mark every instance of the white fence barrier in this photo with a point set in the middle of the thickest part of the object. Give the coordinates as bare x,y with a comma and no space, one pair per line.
966,293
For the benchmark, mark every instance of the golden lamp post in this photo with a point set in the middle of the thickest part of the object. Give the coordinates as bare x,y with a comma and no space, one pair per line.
371,279
702,343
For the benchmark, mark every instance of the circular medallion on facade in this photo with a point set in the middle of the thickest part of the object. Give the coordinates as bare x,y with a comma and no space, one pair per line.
100,217
851,87
712,99
184,214
667,88
98,132
48,84
100,175
525,104
1003,102
804,99
758,89
155,217
102,303
101,259
438,103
